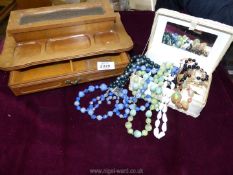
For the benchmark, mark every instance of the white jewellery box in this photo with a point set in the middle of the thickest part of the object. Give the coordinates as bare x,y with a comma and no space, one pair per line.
216,38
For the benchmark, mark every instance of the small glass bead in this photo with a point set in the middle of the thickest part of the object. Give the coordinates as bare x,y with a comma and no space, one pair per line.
127,111
153,87
125,91
121,116
120,106
148,120
76,103
132,106
110,113
148,127
142,108
99,117
144,132
158,90
133,112
103,87
128,125
130,118
81,94
83,110
130,131
143,68
90,112
152,107
154,101
91,88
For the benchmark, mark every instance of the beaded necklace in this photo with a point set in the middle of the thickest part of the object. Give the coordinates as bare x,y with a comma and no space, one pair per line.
114,92
149,86
139,82
148,126
191,73
162,116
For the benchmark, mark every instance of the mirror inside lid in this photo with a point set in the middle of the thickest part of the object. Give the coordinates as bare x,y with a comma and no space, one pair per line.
175,36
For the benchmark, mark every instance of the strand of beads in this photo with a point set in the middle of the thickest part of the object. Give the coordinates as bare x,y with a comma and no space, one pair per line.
178,99
114,93
138,84
96,102
170,73
149,85
148,126
190,74
116,87
135,63
103,87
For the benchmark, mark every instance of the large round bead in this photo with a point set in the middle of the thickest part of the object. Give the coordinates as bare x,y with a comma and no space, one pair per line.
133,112
152,107
148,120
130,118
103,87
130,131
185,105
154,101
176,97
144,132
128,125
81,94
148,127
153,87
137,133
148,113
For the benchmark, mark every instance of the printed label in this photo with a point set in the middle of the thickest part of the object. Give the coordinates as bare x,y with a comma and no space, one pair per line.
105,65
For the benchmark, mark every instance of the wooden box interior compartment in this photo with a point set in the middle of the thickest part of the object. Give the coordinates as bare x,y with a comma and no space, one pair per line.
65,73
25,54
62,20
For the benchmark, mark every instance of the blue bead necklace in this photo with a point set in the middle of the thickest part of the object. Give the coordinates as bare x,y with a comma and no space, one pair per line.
113,92
103,87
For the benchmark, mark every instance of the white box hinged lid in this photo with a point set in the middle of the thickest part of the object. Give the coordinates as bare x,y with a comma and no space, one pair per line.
218,37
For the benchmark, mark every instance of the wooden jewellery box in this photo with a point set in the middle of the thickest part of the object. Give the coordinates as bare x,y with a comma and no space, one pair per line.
64,32
52,47
216,36
61,74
